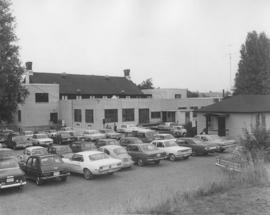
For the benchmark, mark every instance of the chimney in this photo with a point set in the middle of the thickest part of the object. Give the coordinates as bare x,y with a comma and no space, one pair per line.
127,74
28,71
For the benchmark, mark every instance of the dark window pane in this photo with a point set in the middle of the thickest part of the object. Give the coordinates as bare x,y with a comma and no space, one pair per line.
77,115
42,97
89,116
111,115
155,115
128,115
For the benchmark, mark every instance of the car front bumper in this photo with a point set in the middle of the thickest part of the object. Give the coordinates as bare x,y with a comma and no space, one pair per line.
155,159
183,155
107,171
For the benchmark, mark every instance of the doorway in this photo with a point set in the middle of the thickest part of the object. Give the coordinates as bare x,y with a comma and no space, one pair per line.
221,126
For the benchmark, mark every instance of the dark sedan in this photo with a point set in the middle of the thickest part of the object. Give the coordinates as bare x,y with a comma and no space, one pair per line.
45,167
125,141
80,146
62,151
145,153
198,147
10,174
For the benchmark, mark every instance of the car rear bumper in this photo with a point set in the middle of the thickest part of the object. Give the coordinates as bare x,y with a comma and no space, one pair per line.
108,171
55,176
155,159
183,155
12,185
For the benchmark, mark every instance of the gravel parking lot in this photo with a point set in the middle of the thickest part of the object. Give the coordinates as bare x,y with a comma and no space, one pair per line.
107,193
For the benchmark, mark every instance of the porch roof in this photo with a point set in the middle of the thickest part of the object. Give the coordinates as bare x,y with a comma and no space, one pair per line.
240,104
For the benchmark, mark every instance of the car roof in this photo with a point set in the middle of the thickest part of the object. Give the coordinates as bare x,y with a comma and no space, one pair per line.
131,138
108,139
5,149
164,134
60,146
85,153
111,147
139,144
35,147
45,156
162,140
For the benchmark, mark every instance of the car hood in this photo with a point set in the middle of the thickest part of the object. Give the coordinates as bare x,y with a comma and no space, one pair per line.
209,144
67,155
104,162
11,172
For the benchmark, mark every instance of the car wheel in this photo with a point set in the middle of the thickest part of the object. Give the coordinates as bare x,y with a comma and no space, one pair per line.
140,162
172,157
39,181
157,162
63,178
87,174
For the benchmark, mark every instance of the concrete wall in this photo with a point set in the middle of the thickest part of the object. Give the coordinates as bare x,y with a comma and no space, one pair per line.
37,115
99,105
166,93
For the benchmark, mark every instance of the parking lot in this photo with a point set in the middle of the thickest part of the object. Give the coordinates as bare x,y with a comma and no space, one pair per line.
108,193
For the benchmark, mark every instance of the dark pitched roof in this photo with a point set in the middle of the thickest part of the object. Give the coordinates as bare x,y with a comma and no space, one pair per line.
88,84
240,104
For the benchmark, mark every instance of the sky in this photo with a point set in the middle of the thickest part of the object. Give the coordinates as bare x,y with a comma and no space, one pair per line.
177,43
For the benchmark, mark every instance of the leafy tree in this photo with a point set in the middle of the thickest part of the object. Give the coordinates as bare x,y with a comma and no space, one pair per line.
147,84
11,90
253,76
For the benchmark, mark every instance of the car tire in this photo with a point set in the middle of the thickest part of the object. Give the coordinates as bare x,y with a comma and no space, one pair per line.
172,157
140,162
88,175
39,181
157,162
63,178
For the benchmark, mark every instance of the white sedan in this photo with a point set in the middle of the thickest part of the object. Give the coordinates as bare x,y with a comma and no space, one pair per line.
172,150
91,163
41,139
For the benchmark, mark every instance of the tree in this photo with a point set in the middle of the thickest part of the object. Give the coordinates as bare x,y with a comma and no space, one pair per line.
191,94
147,84
253,76
11,91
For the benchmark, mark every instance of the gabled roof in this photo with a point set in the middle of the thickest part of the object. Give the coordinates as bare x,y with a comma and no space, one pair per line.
240,104
87,84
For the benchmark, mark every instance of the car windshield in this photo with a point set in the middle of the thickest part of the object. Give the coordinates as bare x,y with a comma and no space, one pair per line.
119,151
198,141
112,142
148,147
170,143
41,151
50,161
64,150
41,136
8,163
98,156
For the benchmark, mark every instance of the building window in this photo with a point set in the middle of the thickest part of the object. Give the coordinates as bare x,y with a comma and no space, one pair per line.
77,115
111,115
208,121
42,97
128,115
19,116
178,96
54,117
71,96
182,108
155,115
89,116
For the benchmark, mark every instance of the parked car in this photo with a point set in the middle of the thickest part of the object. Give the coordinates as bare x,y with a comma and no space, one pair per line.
164,136
80,146
118,152
7,153
222,142
51,133
77,134
126,128
61,150
172,150
92,163
93,135
10,174
178,131
31,151
41,168
28,133
18,141
236,161
41,139
198,147
125,141
145,153
104,142
63,137
111,134
145,135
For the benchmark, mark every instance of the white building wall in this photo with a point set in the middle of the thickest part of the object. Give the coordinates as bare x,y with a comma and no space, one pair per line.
166,93
37,115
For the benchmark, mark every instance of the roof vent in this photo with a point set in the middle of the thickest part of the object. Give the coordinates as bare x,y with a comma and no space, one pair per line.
64,75
127,74
107,77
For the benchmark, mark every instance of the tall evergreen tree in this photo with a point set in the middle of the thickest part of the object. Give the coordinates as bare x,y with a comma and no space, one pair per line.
11,90
147,84
253,76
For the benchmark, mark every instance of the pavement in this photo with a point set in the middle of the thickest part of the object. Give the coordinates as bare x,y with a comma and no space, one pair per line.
107,194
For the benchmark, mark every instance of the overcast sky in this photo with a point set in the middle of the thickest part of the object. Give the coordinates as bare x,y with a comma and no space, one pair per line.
178,43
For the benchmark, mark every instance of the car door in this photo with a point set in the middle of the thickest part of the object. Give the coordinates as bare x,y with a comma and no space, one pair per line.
28,167
75,163
35,168
132,152
160,146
